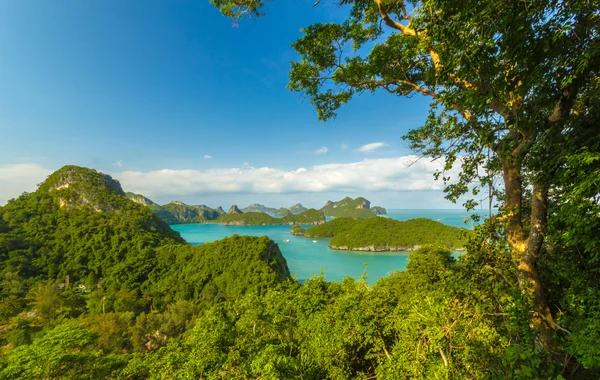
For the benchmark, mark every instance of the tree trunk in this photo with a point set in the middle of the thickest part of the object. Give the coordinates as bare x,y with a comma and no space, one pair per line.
525,249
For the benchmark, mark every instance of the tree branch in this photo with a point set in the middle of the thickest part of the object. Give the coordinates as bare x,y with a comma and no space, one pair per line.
392,23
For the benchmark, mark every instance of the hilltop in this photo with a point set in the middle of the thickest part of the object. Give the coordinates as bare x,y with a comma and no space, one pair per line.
359,208
80,224
297,208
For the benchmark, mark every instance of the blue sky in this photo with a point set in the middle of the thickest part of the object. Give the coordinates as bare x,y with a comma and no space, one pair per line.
149,90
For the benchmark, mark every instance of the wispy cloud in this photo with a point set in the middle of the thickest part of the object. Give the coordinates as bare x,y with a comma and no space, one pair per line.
207,157
17,178
405,173
344,146
118,163
322,150
371,147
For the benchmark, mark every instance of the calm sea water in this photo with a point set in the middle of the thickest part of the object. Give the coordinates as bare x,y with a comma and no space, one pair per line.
305,257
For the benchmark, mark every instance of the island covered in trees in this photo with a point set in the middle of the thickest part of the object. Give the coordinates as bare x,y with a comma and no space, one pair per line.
384,234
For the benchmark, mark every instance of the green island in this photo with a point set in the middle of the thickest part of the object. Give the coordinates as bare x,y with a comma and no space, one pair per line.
310,216
358,208
384,234
378,210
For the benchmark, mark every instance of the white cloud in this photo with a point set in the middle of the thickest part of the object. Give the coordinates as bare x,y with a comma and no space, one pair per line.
17,178
207,157
406,173
322,150
118,163
371,147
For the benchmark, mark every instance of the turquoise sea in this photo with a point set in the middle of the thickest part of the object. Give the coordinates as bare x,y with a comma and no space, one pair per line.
305,257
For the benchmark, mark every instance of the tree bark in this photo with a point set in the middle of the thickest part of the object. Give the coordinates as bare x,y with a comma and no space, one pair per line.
526,247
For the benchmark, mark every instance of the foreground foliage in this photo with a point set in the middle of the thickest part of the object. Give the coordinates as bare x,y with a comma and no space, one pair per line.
153,307
441,318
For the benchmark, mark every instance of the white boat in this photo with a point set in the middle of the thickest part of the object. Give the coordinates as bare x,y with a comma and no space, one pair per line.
314,241
286,240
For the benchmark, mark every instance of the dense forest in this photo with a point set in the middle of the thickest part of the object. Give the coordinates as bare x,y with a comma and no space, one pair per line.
383,234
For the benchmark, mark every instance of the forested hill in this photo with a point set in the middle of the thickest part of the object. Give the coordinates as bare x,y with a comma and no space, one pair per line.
80,224
383,234
359,208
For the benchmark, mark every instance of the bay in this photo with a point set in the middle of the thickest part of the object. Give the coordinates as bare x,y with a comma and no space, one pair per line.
306,258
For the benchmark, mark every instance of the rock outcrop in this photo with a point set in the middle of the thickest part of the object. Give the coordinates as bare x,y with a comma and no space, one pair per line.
234,210
297,208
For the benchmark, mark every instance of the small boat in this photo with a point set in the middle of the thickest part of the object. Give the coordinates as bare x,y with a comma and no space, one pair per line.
286,240
314,241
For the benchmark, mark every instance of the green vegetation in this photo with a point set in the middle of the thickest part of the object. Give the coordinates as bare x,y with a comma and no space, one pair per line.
178,212
282,211
515,93
297,230
358,208
310,216
246,219
82,267
383,234
398,328
514,90
331,228
378,210
297,208
153,307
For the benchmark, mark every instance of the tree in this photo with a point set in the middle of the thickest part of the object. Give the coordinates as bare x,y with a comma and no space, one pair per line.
503,78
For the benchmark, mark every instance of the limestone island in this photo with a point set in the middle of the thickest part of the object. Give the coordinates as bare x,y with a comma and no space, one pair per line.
359,208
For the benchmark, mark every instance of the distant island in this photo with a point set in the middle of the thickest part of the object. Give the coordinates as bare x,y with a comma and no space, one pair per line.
383,234
310,216
359,208
282,211
177,212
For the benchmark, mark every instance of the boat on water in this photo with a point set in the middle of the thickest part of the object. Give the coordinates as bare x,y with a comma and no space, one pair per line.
314,241
286,240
